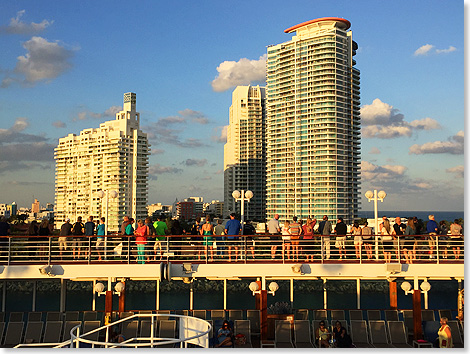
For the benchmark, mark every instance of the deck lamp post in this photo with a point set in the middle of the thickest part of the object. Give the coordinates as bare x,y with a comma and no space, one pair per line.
106,194
415,290
376,197
258,288
243,196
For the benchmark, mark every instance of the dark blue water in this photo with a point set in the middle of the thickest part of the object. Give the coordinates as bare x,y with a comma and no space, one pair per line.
438,215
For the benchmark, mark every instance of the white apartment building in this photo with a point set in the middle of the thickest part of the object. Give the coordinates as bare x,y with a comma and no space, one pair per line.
313,123
245,151
112,158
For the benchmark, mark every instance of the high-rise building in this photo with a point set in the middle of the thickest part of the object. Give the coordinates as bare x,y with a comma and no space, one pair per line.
35,207
112,158
313,122
245,151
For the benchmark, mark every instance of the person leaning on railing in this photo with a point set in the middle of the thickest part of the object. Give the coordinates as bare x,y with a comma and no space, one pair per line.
456,238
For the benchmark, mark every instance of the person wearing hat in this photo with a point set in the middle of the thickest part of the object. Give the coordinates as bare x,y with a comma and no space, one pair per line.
65,230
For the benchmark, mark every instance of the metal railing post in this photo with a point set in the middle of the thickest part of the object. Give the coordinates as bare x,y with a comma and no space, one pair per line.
50,251
399,251
9,251
437,249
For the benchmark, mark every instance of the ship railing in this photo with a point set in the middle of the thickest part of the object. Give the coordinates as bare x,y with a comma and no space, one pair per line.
189,330
258,248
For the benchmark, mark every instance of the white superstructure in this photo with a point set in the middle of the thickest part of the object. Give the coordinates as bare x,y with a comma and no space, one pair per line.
113,157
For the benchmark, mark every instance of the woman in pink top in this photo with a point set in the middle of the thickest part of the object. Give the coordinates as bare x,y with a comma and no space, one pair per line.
307,230
141,239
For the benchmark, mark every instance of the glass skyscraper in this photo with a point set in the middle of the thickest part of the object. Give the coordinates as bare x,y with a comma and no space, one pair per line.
313,123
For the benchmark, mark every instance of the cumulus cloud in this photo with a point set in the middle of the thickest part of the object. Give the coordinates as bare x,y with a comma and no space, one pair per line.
454,145
242,72
457,170
370,171
220,134
87,114
44,61
194,116
14,133
16,26
423,50
59,124
195,162
38,151
374,151
381,120
429,49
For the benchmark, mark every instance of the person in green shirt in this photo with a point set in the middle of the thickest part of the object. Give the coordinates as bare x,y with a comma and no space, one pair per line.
161,229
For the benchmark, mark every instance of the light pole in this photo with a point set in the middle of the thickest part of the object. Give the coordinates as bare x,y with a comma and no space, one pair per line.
243,196
375,197
106,194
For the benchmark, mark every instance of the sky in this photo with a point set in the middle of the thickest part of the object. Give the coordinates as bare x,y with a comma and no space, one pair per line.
65,65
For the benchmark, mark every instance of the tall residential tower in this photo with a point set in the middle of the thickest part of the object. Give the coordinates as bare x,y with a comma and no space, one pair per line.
313,122
245,151
113,157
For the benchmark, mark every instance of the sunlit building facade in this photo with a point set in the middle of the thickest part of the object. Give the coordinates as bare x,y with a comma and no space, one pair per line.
245,151
113,157
313,123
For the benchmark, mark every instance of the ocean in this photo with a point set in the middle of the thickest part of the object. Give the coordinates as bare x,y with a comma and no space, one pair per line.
438,215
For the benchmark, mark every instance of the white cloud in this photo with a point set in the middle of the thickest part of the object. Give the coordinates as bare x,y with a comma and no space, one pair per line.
14,134
423,50
195,162
87,114
425,124
242,72
382,120
59,124
194,116
457,170
454,146
158,169
445,51
374,151
221,134
44,61
370,171
16,26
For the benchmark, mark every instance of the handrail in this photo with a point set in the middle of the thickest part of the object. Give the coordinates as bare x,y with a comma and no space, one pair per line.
217,248
152,341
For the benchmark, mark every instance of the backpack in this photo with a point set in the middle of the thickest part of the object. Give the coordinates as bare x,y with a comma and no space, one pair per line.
77,229
240,339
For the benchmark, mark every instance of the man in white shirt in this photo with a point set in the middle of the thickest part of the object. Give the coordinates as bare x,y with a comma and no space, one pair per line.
274,230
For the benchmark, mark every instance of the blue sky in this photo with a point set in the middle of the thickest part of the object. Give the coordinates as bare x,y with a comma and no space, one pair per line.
65,66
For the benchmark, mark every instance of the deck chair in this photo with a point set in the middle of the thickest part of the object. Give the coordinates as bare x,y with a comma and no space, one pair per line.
90,326
53,316
282,335
167,330
254,317
445,313
129,329
52,332
378,334
320,315
397,333
218,314
235,315
407,314
243,327
301,314
409,325
33,332
430,329
68,325
391,315
90,316
13,334
456,337
182,312
373,315
199,314
302,334
359,334
211,333
344,323
427,315
2,316
34,316
2,329
126,314
337,315
71,316
315,325
16,317
355,315
146,328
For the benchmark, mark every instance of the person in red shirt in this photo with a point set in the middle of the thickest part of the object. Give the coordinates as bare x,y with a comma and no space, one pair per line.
141,239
